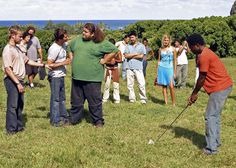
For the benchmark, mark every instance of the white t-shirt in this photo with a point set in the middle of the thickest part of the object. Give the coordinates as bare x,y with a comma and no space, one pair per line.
121,46
58,54
182,58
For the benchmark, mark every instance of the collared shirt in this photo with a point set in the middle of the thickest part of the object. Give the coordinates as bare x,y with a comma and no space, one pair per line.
14,58
131,49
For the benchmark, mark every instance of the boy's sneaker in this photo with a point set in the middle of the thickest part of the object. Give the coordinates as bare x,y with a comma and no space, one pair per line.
143,101
131,101
31,85
209,151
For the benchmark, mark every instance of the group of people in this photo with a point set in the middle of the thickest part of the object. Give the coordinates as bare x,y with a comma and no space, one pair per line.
88,54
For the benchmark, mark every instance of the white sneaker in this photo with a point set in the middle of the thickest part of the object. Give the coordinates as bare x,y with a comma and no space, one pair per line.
31,85
117,101
131,101
104,100
143,101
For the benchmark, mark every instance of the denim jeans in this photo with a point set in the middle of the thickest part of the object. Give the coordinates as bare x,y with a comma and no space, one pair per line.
212,119
57,101
145,63
15,104
80,91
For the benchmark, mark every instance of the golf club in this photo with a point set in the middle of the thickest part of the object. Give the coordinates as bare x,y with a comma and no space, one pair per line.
172,123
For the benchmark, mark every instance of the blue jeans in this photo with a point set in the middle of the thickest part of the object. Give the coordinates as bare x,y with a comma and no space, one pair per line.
145,63
212,119
57,102
80,91
15,104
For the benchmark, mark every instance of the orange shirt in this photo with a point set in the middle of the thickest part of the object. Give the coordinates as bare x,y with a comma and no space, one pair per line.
217,78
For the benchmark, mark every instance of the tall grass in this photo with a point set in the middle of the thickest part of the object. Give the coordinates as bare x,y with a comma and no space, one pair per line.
123,141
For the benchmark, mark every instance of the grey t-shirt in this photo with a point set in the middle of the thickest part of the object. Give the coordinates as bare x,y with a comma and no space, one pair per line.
33,47
57,53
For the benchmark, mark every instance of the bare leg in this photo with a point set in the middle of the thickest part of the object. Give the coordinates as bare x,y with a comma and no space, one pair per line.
31,78
172,93
164,91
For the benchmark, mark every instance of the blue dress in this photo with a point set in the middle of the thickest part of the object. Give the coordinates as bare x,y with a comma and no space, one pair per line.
166,68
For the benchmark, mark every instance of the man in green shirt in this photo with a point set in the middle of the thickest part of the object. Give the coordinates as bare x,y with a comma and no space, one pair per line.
87,54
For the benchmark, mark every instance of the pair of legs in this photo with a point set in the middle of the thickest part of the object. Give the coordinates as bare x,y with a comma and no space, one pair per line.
172,93
112,74
58,113
31,71
90,91
138,74
212,119
15,104
182,73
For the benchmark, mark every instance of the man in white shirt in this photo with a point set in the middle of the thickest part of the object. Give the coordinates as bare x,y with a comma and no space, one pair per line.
121,46
182,63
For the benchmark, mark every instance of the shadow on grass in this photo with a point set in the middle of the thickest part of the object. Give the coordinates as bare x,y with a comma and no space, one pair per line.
124,97
36,85
85,116
196,138
25,119
158,101
232,97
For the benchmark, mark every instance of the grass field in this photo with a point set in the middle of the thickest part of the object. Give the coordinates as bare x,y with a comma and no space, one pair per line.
123,141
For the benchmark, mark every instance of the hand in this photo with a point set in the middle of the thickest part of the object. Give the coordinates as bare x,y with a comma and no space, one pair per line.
113,61
48,66
67,61
192,99
102,61
20,88
155,81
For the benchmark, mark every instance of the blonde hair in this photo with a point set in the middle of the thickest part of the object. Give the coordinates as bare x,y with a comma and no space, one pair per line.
13,30
163,38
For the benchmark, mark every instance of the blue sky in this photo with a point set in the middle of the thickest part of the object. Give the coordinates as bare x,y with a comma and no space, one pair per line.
112,9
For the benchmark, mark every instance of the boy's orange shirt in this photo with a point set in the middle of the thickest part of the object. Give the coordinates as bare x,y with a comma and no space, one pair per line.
217,78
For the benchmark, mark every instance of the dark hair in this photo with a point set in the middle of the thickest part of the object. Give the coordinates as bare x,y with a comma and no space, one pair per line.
132,33
98,33
13,30
178,40
145,39
126,36
31,28
59,33
195,39
25,34
112,41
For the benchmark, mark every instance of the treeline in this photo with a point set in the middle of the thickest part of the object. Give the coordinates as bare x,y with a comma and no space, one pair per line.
219,32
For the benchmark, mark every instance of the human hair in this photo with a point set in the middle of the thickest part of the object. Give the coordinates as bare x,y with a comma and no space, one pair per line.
13,30
112,41
31,28
25,34
195,39
59,33
125,36
99,36
132,33
163,38
145,39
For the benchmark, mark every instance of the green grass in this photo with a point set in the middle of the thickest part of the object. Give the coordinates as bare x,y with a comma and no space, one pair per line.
123,142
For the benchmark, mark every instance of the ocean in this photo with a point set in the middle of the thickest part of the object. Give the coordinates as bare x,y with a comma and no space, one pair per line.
111,24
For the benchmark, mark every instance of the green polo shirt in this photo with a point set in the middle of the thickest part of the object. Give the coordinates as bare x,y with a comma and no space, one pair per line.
86,58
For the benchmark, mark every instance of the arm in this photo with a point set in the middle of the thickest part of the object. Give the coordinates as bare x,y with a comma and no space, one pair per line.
10,74
150,55
40,54
175,63
200,82
54,65
33,63
108,58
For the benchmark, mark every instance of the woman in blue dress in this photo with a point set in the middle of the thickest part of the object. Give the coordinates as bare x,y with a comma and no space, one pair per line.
166,68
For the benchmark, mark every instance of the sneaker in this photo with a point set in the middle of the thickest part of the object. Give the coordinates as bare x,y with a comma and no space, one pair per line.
104,100
98,125
117,101
209,151
131,101
143,101
31,85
